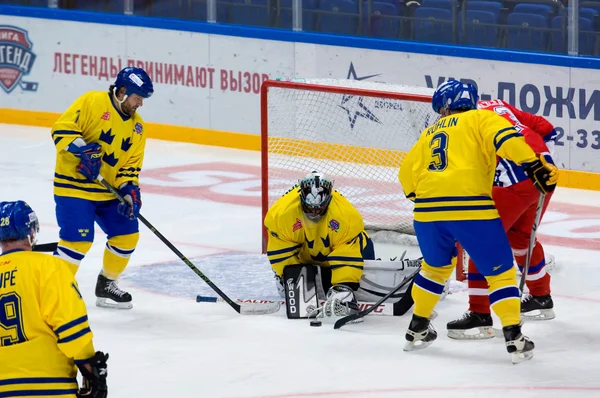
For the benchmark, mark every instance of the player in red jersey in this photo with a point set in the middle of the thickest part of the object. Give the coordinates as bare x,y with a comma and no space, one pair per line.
516,199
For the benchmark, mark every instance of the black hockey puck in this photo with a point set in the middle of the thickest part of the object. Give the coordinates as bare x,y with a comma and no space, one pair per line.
316,323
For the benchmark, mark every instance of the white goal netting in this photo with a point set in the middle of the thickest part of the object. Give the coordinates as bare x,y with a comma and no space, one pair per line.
354,131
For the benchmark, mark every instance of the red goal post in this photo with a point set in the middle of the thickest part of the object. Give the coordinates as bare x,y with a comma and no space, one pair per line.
356,132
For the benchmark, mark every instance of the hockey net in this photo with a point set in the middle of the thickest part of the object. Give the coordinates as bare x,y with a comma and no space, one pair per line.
355,132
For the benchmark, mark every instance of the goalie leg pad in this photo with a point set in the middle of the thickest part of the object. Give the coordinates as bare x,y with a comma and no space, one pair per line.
299,282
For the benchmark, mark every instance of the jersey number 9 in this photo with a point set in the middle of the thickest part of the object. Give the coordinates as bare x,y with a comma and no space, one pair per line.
439,151
11,320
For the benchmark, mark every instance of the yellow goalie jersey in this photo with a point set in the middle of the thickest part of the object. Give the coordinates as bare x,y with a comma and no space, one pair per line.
449,172
335,241
94,118
43,326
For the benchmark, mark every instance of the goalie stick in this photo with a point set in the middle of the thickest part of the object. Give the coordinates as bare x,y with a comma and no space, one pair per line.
536,223
244,309
352,317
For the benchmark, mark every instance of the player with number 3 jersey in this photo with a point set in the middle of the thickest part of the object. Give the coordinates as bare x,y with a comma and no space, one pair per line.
449,174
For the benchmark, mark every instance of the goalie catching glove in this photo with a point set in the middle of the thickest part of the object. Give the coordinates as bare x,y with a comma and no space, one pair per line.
543,173
94,373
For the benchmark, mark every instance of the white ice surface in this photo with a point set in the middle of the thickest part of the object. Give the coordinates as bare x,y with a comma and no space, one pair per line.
170,346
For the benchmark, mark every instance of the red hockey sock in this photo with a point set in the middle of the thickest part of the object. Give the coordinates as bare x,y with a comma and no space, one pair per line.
538,280
478,291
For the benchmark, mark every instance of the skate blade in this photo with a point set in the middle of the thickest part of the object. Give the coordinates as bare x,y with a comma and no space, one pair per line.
108,303
417,345
481,333
539,315
518,357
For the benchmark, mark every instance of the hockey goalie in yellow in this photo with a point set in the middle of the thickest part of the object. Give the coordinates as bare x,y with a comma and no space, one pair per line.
101,134
449,175
314,224
44,330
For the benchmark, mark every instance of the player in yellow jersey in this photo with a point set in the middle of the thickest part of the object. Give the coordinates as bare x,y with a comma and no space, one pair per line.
101,133
449,175
44,331
314,224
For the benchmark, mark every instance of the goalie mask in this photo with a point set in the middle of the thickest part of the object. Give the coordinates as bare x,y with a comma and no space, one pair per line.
315,195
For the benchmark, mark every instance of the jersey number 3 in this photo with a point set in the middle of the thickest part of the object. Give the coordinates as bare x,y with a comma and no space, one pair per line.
439,151
11,320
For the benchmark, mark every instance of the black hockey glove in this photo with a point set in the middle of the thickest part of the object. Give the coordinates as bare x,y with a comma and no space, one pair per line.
94,374
543,174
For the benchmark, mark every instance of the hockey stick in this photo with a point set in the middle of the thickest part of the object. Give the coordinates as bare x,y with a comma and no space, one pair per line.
536,223
45,247
245,309
352,317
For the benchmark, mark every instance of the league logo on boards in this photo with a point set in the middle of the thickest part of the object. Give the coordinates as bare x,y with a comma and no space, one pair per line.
16,59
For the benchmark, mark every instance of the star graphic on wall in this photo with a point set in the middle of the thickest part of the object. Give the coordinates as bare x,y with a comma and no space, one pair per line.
355,106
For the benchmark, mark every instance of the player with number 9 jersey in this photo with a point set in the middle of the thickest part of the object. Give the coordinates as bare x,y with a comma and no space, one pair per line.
44,329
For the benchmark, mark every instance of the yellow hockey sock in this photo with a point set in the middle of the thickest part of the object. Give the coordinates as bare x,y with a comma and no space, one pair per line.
428,287
72,253
117,253
504,297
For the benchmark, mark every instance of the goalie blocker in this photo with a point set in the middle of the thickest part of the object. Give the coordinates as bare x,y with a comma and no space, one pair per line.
305,285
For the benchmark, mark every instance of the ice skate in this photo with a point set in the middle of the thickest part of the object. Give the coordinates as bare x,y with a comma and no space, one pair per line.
109,295
537,308
518,346
472,326
420,334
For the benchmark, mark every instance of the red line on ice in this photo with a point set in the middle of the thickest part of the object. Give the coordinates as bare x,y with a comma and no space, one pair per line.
428,389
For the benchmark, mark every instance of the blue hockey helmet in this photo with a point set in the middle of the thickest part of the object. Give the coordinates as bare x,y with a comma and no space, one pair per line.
315,194
454,95
17,221
135,81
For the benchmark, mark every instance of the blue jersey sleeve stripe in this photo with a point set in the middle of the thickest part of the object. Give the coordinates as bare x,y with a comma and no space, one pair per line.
127,175
286,250
130,169
506,138
278,260
501,132
453,208
37,380
452,199
71,324
66,132
57,140
74,336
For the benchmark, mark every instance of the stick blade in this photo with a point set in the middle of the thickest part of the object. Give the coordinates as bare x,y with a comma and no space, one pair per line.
259,308
342,321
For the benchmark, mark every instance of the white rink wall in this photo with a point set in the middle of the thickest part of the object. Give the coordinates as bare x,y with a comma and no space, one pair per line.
213,81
